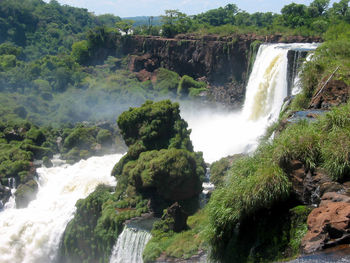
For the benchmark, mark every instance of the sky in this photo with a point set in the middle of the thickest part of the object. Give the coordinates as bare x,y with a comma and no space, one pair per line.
130,8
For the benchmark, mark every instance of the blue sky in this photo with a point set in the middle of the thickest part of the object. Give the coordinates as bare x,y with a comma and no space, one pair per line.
127,8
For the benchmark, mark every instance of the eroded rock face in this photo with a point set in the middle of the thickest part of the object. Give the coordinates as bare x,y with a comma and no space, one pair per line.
335,92
328,224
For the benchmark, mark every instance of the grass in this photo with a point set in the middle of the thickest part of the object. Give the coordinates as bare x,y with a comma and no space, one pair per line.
258,183
179,245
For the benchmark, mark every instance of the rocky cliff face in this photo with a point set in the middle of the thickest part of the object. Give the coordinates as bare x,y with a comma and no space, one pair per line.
223,62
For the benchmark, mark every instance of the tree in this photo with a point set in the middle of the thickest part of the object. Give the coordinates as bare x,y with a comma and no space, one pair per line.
341,8
318,7
175,22
125,25
294,15
80,51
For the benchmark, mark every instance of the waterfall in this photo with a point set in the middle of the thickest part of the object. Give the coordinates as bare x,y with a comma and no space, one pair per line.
218,132
130,245
296,87
32,234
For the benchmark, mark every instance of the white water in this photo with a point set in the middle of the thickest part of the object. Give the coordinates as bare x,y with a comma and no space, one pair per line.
218,133
32,234
297,84
130,245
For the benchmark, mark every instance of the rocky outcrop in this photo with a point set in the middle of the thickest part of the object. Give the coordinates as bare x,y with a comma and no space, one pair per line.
329,224
222,61
331,94
308,186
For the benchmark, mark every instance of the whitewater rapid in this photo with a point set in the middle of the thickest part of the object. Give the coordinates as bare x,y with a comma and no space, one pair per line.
32,234
218,132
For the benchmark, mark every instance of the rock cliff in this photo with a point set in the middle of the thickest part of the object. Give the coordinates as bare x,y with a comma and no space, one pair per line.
223,62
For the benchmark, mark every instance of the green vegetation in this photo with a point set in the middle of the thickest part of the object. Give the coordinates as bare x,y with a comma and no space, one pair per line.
219,169
90,236
178,245
295,19
258,184
45,29
159,169
160,160
333,53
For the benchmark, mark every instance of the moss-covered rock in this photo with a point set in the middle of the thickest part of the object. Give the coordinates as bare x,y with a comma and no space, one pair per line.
91,234
155,126
160,163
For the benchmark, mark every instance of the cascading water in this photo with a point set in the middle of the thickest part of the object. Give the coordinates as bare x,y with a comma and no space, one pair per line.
220,133
32,234
296,83
130,245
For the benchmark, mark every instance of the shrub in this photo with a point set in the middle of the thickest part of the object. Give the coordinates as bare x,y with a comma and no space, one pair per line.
166,81
188,86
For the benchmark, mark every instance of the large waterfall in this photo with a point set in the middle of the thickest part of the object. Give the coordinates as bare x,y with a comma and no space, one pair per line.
218,133
32,234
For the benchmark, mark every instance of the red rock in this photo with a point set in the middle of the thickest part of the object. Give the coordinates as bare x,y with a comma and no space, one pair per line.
328,225
333,197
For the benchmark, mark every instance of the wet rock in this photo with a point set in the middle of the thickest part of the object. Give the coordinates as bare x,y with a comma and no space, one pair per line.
308,186
178,217
47,162
328,225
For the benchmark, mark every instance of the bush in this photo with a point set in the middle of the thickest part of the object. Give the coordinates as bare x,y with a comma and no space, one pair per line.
188,86
166,81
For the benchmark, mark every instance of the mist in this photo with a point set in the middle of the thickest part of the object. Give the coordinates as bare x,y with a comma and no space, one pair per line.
219,132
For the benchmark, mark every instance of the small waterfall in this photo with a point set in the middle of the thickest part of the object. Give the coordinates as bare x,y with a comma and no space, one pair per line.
296,87
32,234
12,183
130,245
218,133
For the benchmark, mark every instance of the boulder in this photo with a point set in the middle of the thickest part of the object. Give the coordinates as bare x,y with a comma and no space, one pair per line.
25,193
328,225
